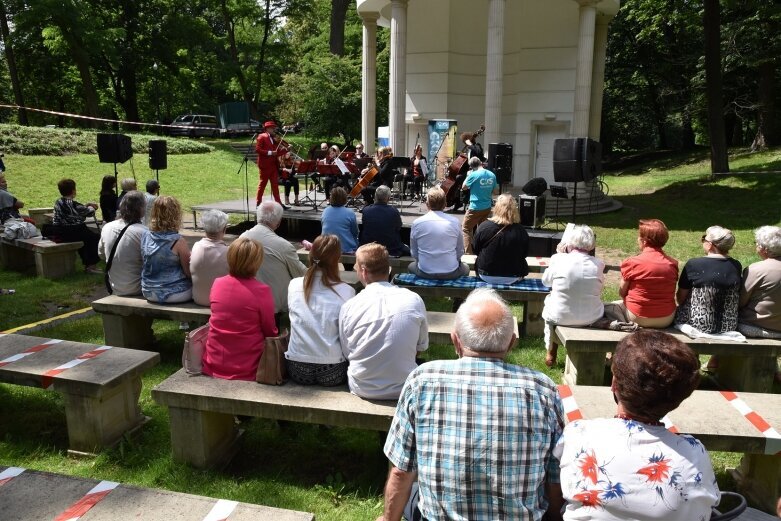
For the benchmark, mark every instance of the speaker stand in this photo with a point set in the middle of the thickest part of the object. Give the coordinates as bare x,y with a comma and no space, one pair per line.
574,199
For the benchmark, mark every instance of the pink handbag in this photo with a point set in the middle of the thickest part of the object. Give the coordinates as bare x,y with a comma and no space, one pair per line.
194,346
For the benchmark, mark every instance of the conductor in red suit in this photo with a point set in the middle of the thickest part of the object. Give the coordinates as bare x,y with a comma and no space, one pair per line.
268,151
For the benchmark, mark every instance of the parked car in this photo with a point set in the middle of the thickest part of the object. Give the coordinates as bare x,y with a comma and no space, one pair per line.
195,125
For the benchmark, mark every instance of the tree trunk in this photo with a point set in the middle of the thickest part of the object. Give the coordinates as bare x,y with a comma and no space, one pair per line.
127,67
234,51
713,89
262,58
687,131
12,71
767,128
338,16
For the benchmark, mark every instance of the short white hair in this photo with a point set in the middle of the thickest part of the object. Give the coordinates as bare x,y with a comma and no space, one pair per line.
582,237
128,184
270,213
483,334
214,221
769,239
382,194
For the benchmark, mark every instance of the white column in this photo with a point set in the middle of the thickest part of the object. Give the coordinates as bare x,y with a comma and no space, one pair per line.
598,77
584,70
398,75
369,82
494,71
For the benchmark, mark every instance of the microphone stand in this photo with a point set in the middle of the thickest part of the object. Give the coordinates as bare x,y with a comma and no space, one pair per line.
244,162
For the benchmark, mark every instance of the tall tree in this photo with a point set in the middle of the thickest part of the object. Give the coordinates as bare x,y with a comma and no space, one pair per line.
11,59
713,86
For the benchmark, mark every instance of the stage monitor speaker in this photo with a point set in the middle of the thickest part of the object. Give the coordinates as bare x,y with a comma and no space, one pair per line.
532,210
500,161
576,159
535,186
114,148
158,154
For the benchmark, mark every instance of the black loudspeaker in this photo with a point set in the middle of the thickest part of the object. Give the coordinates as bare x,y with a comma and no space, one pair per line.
532,210
500,161
158,154
576,159
535,186
114,148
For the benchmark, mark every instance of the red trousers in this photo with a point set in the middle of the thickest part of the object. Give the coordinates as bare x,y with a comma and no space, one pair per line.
266,175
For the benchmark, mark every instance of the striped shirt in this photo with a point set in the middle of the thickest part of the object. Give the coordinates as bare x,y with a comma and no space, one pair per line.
480,433
68,212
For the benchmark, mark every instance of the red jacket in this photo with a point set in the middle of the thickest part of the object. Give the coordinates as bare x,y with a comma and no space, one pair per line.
264,145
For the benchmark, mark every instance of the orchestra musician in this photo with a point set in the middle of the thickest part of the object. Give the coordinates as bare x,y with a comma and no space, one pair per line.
419,168
268,150
359,152
287,169
340,179
385,176
472,149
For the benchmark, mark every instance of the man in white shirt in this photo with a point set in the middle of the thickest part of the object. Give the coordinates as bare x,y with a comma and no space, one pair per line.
436,242
280,260
381,329
125,273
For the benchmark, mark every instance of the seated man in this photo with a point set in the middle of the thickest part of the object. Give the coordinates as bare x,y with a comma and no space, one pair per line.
69,216
280,261
436,242
381,329
9,205
125,273
477,433
382,224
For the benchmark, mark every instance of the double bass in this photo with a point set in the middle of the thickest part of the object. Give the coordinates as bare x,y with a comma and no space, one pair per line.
459,163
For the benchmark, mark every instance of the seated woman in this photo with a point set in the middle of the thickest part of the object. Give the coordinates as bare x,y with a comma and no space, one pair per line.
165,276
242,316
501,244
709,287
631,466
69,217
341,221
125,273
759,312
648,280
575,279
287,173
314,353
209,259
108,198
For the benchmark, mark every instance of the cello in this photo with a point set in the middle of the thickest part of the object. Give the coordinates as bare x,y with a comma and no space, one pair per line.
458,165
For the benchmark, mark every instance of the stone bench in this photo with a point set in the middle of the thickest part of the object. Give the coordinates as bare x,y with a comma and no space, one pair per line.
747,423
52,260
202,409
33,495
100,385
127,321
742,366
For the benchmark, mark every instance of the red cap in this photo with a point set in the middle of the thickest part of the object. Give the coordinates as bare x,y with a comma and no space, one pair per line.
269,124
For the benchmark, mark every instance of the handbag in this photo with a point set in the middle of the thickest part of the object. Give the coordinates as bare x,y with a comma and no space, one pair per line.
271,368
194,346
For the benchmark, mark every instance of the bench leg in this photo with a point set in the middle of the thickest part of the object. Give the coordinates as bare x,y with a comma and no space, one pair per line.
748,374
583,368
16,259
53,265
98,422
533,317
202,439
131,332
759,479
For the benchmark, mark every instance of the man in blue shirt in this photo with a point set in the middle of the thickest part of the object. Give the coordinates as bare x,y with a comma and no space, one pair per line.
481,184
381,223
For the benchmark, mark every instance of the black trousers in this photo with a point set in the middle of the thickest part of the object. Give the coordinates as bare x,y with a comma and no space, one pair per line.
88,252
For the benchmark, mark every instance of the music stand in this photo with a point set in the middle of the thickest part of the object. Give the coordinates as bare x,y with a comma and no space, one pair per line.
362,162
397,163
306,168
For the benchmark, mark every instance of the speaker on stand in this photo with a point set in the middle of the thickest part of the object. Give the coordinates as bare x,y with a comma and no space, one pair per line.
575,160
158,156
500,162
114,148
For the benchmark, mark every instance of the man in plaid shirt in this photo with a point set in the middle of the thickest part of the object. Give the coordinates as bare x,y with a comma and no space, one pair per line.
476,433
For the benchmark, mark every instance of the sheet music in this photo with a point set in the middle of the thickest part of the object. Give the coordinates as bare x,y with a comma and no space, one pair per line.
342,167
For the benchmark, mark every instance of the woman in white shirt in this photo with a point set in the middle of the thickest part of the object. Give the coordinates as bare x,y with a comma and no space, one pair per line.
209,260
575,278
314,353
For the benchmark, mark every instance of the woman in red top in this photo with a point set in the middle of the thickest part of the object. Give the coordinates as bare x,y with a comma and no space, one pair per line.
242,316
648,280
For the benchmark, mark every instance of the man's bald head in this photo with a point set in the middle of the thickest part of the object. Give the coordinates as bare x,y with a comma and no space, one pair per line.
484,322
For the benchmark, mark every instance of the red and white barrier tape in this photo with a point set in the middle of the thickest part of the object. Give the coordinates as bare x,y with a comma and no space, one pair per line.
27,352
48,377
9,474
773,444
221,510
92,498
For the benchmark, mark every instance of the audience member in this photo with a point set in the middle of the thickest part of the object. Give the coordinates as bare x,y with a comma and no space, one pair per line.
575,279
476,433
481,184
502,244
152,191
709,287
631,466
108,198
125,273
9,205
209,259
648,280
314,354
381,223
340,221
436,242
281,264
381,329
165,276
69,216
128,184
242,316
759,313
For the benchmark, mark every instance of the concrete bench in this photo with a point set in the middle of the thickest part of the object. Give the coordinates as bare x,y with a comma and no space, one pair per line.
52,260
742,366
30,495
722,421
100,385
202,409
127,321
